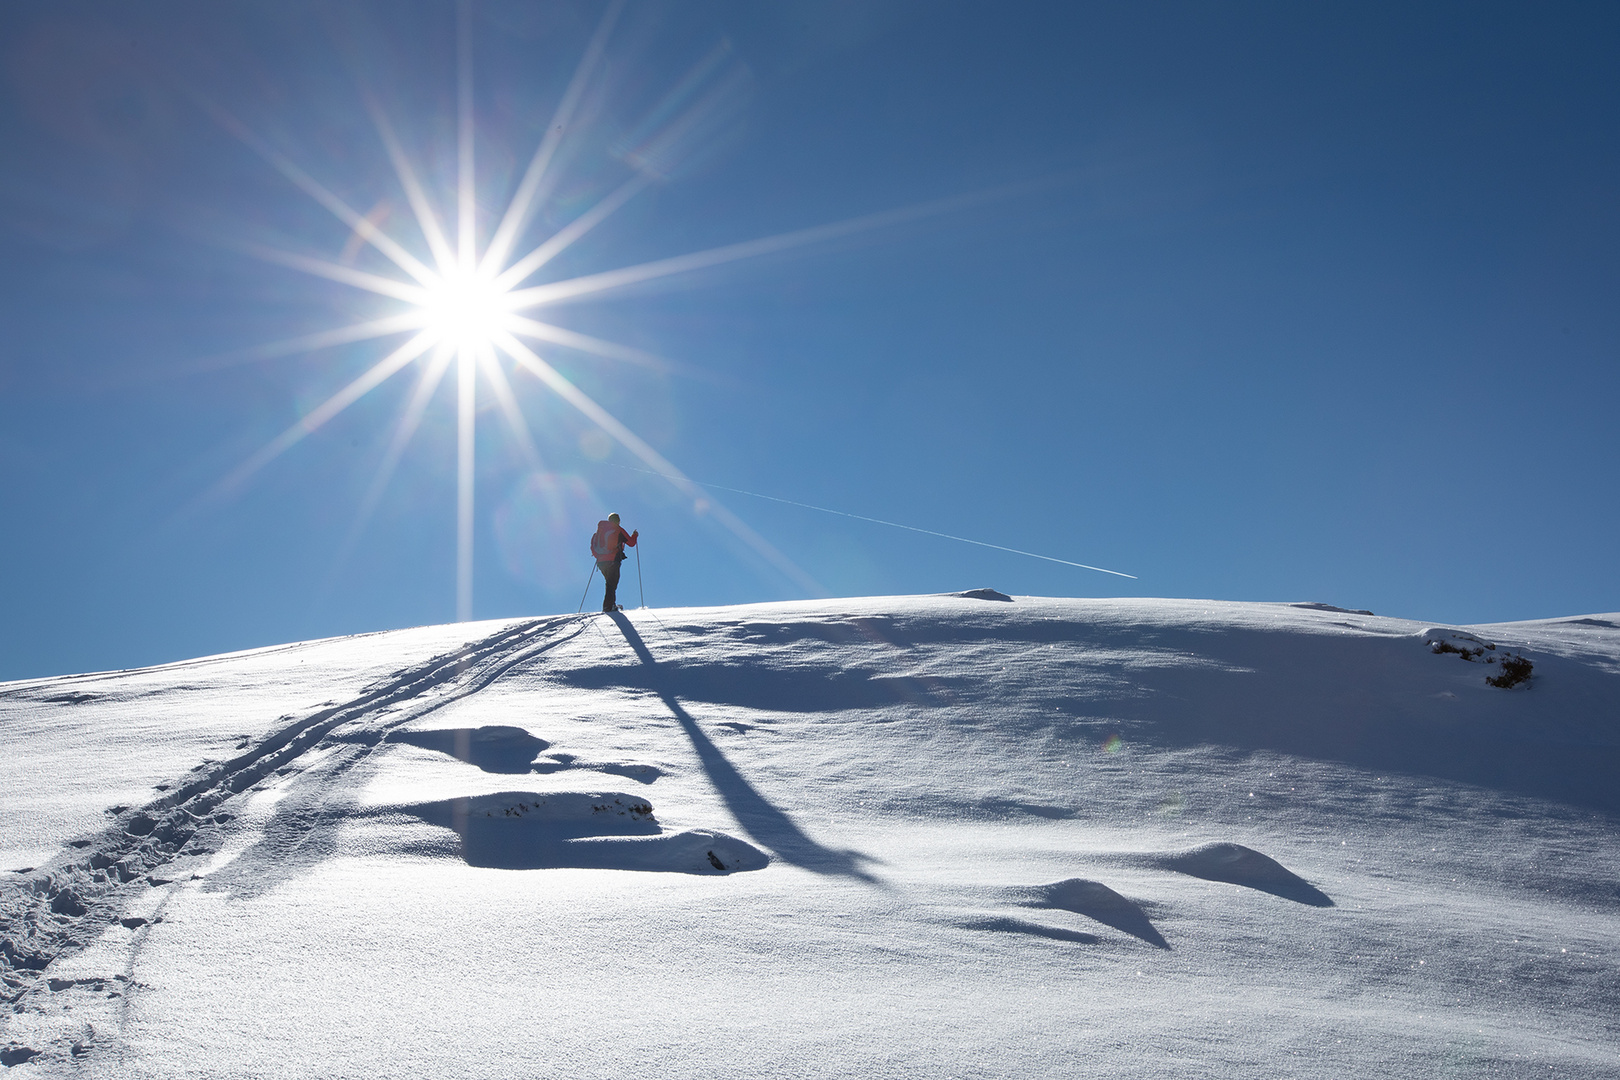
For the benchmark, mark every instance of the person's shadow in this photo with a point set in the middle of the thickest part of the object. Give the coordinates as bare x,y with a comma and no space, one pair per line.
763,821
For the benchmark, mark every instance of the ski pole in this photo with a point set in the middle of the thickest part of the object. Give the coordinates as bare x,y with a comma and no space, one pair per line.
588,579
639,585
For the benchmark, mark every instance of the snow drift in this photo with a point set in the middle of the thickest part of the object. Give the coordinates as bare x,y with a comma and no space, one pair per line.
955,835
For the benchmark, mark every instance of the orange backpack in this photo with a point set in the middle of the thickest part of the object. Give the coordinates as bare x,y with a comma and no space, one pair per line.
605,541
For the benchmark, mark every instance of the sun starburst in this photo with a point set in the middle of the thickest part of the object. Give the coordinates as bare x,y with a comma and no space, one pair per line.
467,308
464,310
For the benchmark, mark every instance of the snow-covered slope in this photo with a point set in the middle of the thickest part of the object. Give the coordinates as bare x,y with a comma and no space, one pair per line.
916,836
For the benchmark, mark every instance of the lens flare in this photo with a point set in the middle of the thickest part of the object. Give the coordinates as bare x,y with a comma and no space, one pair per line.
460,304
464,307
538,526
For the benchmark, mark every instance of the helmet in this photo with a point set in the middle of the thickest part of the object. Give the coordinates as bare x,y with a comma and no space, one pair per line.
613,518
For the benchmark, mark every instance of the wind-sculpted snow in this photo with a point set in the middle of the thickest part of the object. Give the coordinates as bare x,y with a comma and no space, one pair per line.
1097,901
951,835
525,830
1238,865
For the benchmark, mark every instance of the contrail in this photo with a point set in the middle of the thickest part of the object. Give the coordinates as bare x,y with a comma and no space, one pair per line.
890,524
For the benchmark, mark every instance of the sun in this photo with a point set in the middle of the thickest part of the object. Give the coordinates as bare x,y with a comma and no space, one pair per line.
468,306
466,311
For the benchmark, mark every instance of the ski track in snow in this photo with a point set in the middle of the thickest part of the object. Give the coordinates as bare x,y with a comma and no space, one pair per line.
1323,810
187,833
68,902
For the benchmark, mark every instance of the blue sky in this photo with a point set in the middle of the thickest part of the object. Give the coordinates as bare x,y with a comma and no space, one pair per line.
1262,302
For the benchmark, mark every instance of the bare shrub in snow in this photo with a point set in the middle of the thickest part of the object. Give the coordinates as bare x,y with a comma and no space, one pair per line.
1515,668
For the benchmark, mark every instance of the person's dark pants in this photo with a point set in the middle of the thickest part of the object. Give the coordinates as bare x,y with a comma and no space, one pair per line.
610,575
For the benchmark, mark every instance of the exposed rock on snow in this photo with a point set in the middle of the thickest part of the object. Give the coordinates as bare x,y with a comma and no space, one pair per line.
1316,606
982,594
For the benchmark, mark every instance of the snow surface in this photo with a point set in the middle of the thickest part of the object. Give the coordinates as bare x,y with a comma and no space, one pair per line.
963,835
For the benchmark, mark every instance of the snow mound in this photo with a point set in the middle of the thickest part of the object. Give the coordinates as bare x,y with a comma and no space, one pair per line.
1097,901
1443,639
530,830
1235,864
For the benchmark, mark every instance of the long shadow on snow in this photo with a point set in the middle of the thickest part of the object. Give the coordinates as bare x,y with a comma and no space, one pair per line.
1378,701
813,681
765,822
531,830
499,748
1005,925
1385,703
495,748
1235,864
1096,901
